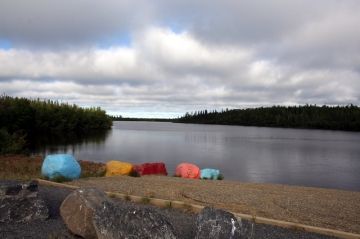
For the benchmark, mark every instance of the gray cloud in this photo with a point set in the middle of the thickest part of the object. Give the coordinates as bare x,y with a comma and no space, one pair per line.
169,57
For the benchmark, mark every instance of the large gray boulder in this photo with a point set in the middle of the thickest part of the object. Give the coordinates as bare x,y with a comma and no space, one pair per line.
78,210
20,202
115,221
89,213
217,224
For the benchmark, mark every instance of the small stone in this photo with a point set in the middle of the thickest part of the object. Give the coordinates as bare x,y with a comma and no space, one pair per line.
215,223
77,211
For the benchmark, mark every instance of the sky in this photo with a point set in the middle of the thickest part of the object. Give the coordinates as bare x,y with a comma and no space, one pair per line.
163,58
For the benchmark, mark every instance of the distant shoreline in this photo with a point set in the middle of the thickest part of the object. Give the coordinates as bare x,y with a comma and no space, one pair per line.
344,118
145,119
224,124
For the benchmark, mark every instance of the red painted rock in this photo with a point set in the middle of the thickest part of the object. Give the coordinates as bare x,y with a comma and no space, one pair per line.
151,169
187,170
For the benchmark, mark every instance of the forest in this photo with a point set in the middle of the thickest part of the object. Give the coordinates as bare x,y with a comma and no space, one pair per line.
308,116
22,119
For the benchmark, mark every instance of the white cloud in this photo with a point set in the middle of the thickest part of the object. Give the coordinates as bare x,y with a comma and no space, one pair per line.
228,54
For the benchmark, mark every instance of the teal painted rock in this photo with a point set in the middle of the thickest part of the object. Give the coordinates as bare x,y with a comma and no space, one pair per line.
60,166
209,173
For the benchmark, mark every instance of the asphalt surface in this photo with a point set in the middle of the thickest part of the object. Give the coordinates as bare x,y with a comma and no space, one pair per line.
183,222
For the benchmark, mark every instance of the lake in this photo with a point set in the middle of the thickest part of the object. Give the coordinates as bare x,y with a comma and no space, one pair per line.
319,158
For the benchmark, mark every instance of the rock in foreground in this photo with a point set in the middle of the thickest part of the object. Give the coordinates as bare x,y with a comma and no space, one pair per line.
78,209
89,213
120,221
20,202
215,223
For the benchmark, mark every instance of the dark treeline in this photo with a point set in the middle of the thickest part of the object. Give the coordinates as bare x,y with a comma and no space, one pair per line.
120,118
308,116
22,119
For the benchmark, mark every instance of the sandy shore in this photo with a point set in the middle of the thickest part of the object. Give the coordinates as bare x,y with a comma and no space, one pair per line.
333,209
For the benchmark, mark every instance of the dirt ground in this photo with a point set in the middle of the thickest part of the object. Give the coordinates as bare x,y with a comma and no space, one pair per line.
333,209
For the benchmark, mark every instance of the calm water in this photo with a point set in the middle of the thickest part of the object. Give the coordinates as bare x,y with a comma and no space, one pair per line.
251,154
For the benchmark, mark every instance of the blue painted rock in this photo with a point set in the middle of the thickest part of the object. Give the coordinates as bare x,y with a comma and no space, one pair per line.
60,165
209,173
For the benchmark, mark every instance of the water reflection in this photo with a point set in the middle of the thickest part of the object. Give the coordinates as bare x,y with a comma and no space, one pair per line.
67,142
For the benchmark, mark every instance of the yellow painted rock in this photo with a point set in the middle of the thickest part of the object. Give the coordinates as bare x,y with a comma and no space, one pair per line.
114,168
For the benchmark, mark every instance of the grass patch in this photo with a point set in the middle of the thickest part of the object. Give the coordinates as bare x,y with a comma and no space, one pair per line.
59,179
187,207
54,236
145,200
20,167
168,204
150,194
92,169
111,195
253,217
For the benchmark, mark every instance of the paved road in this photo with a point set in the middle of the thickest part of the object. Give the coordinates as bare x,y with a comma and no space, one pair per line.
183,223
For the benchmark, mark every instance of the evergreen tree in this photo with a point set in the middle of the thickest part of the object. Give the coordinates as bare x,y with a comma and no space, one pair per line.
307,116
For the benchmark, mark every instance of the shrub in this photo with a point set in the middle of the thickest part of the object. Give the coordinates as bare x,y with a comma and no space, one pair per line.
11,143
92,169
145,200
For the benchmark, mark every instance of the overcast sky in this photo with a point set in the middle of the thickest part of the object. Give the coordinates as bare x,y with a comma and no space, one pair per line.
163,58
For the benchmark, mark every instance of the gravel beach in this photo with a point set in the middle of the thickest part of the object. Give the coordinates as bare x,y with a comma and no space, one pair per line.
182,221
327,208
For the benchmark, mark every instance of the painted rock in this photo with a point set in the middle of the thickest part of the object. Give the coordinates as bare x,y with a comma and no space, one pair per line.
114,168
151,169
209,173
187,170
60,166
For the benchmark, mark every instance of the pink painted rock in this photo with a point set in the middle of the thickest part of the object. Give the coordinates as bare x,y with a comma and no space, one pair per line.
187,170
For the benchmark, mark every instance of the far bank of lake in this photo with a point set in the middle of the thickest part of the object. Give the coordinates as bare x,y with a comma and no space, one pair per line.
318,158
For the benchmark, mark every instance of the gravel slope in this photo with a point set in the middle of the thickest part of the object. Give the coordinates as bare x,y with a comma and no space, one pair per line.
328,208
183,223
